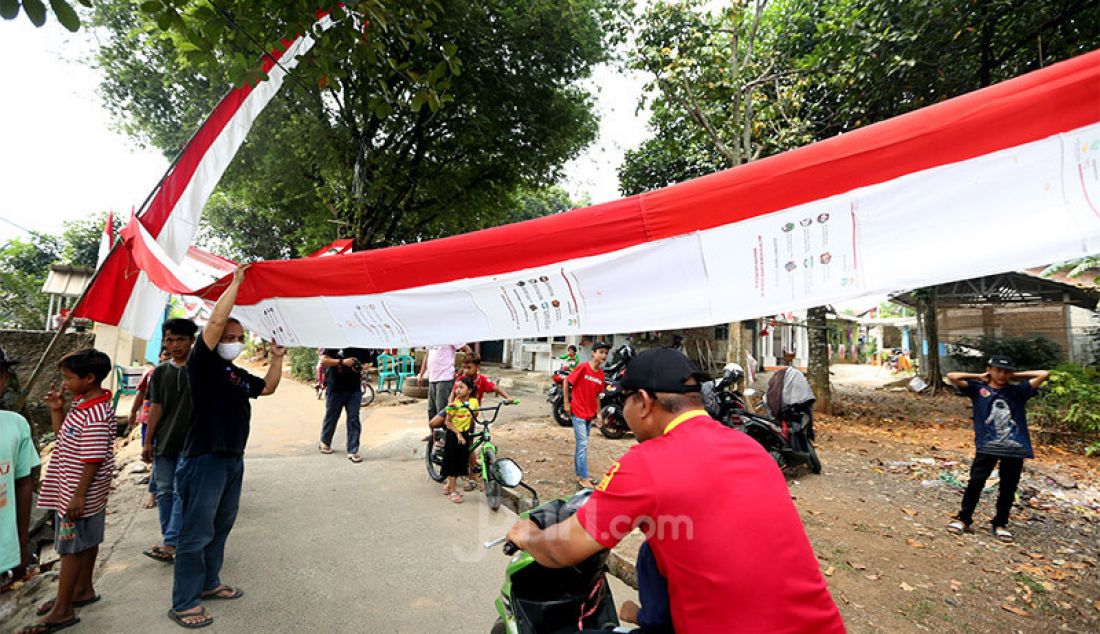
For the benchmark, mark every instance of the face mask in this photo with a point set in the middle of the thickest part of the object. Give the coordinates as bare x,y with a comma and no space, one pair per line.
230,351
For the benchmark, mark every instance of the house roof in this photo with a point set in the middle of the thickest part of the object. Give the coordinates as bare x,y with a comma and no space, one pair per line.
1013,287
67,280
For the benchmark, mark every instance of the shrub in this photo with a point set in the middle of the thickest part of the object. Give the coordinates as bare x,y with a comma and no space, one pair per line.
1028,353
303,363
1070,400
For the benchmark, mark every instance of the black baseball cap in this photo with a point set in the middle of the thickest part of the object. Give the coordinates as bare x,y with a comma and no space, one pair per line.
662,370
1004,363
601,345
5,360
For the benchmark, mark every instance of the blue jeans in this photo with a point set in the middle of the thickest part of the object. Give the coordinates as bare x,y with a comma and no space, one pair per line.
209,487
168,500
350,402
581,429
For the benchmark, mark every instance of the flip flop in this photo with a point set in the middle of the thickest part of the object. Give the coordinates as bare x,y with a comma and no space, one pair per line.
1002,534
179,619
325,450
45,608
46,628
215,595
356,458
160,555
456,497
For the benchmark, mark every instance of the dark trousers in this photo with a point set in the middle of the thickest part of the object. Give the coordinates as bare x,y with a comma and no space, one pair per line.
1010,471
334,403
209,486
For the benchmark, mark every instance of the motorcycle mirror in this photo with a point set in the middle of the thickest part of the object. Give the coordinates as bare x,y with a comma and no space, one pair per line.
507,472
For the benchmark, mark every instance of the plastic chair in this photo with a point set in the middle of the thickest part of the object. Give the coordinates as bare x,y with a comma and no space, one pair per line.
405,367
121,388
387,371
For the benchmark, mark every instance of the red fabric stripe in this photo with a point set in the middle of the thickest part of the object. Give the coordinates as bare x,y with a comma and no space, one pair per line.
107,299
1035,106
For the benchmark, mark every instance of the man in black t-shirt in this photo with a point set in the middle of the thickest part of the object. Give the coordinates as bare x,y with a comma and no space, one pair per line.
344,369
210,473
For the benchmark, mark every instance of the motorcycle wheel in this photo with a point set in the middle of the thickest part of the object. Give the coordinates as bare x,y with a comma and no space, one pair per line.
493,491
815,462
499,627
433,460
560,417
368,394
613,427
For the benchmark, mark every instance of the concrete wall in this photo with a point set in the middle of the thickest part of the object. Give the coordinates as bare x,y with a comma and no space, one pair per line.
27,347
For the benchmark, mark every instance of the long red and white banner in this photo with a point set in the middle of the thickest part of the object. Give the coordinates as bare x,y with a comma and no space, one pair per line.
1004,178
124,294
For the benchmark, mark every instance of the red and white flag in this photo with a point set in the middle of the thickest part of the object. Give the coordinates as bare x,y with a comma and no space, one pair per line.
123,293
108,239
1003,178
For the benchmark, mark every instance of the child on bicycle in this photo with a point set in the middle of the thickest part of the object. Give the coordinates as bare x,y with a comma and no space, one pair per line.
459,419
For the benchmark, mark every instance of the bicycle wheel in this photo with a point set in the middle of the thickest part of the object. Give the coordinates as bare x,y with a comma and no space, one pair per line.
368,393
494,493
433,455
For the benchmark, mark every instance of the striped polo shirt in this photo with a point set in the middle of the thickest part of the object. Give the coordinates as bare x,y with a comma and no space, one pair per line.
87,435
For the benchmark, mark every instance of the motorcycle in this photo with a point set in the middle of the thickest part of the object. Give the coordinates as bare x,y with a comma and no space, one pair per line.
789,440
556,397
612,420
535,598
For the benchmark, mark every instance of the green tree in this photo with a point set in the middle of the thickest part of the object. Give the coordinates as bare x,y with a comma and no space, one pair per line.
36,11
376,136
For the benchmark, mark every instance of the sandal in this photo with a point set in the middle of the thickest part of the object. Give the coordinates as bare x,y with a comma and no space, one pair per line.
356,458
325,449
179,617
958,527
1003,534
470,486
46,607
216,594
158,553
46,628
456,497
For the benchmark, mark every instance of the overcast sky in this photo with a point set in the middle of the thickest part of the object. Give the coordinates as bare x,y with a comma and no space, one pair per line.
60,160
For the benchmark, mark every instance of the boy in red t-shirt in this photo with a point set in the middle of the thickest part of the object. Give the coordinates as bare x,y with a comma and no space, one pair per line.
582,401
77,482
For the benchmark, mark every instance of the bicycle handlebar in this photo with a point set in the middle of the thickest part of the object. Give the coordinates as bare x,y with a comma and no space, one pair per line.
495,409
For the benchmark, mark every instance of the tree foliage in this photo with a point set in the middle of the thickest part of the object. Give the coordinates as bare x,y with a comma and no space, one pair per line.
25,263
407,121
36,11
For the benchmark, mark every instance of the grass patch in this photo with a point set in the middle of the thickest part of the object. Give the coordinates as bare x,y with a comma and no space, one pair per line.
1025,579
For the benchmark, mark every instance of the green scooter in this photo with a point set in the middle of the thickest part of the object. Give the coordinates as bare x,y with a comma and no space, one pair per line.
539,600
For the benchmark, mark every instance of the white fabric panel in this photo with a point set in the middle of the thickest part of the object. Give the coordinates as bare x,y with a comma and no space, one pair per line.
1022,207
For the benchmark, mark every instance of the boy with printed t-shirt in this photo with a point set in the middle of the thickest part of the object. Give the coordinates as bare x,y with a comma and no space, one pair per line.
1000,436
581,393
77,482
18,472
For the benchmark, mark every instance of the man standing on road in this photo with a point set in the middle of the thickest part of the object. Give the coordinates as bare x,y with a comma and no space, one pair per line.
210,474
713,505
439,367
169,422
581,398
343,391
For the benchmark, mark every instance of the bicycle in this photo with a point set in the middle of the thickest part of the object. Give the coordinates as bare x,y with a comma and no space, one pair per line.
482,443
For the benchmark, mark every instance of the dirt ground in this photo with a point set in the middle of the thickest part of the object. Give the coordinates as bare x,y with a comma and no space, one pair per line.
895,464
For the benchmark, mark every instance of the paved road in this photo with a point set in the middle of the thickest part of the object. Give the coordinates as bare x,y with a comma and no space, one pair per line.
322,544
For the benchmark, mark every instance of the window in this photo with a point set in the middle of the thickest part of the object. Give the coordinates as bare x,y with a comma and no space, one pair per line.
722,332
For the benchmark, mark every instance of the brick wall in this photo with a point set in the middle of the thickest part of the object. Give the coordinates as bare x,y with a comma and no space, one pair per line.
27,346
1047,320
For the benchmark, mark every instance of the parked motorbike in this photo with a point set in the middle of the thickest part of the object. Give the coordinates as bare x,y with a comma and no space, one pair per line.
789,440
612,420
556,397
535,599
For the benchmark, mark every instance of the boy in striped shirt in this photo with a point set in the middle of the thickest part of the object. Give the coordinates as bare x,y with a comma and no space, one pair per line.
77,482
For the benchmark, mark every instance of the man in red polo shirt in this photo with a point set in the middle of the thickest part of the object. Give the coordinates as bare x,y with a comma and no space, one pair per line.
714,507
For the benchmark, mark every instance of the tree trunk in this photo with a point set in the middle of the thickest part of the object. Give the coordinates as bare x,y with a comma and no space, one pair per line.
931,370
735,345
818,363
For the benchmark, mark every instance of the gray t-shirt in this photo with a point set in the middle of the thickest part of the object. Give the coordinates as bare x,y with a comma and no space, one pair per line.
170,388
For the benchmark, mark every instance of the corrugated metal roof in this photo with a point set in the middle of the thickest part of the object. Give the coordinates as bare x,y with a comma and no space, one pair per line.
67,280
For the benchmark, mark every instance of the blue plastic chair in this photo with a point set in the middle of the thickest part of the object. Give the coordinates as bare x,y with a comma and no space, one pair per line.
405,367
387,371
